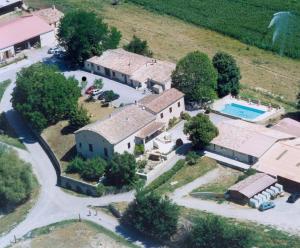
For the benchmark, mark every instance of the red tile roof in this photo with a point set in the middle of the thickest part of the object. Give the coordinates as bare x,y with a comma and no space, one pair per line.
22,29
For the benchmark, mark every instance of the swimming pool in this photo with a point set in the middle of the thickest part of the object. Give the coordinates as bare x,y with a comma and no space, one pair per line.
240,111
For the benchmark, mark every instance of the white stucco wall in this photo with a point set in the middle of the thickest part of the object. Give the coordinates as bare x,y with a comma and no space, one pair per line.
98,143
48,39
123,145
176,111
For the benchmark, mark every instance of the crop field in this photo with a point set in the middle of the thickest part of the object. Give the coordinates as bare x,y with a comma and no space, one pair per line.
245,20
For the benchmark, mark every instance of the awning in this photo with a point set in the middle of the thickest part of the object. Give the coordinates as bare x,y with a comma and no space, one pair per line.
150,129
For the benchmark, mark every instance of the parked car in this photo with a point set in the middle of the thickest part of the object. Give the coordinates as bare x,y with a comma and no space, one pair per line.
96,92
89,90
51,51
266,205
293,197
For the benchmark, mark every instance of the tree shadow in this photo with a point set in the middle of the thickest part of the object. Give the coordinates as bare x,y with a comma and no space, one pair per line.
68,130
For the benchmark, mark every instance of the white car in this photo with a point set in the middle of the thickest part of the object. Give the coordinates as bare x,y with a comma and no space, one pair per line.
96,92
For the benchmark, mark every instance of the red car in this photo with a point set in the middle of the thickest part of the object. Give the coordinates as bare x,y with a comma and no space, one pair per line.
89,90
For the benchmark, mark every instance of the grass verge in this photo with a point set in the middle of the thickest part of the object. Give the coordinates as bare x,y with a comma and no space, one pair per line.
264,236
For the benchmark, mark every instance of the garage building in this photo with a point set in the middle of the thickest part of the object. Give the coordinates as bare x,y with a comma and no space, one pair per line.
23,33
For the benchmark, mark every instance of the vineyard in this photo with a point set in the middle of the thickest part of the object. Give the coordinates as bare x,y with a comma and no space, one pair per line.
245,20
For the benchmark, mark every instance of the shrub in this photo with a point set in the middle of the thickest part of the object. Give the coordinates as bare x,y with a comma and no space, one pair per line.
98,83
192,157
185,116
136,45
214,232
142,164
110,96
100,189
173,122
76,165
152,215
121,170
79,118
93,169
165,177
16,179
139,149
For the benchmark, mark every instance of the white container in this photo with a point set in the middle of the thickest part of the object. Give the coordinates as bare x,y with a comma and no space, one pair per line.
271,192
266,194
254,203
275,189
279,186
264,198
259,200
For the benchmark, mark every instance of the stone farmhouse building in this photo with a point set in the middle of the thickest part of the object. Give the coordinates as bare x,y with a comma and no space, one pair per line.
139,123
132,69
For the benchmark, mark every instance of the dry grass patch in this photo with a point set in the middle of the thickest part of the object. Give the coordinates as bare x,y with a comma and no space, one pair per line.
70,234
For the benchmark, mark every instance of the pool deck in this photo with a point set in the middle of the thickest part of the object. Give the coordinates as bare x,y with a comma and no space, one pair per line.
270,112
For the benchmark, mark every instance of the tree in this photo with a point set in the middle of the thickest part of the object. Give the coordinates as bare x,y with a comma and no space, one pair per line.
79,118
93,169
16,179
44,96
196,77
200,130
152,215
98,83
136,45
214,232
121,170
84,35
228,74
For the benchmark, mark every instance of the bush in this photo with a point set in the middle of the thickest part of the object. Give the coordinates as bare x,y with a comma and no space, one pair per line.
214,232
191,158
121,170
247,173
173,122
139,149
79,118
142,164
16,179
165,177
98,83
110,96
152,215
76,165
100,189
185,116
136,45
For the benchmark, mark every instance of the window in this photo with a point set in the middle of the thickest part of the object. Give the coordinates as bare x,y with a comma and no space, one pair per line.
105,152
91,148
80,145
114,74
170,109
162,115
178,104
98,68
128,145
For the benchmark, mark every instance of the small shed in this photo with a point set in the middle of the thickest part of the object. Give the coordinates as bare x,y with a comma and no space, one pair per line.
249,187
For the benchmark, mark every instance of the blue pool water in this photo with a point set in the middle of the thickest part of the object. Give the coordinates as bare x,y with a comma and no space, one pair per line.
241,111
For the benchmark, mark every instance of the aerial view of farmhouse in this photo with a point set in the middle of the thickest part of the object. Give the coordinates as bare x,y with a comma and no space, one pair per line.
149,123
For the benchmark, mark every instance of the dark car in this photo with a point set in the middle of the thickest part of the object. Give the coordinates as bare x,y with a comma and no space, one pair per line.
266,205
108,96
293,197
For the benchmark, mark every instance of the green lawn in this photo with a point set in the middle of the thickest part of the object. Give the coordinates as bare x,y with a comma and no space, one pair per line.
264,236
185,175
3,86
245,20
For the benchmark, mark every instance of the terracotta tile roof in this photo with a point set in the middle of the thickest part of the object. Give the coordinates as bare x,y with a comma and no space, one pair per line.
21,29
150,129
247,138
121,124
50,15
157,103
254,184
283,159
289,126
137,67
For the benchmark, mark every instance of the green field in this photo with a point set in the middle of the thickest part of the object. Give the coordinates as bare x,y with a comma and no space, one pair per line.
245,20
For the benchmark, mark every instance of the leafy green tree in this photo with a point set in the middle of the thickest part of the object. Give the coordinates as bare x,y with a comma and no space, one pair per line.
214,232
93,169
76,165
196,77
200,130
16,179
44,96
83,34
79,118
136,45
139,149
228,74
121,170
98,83
152,215
192,157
